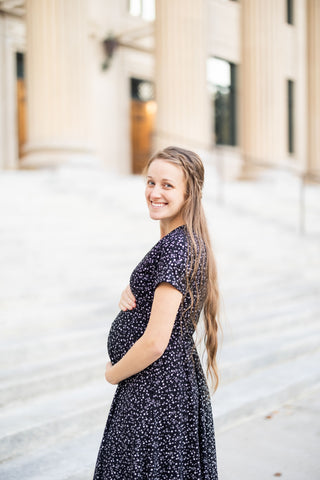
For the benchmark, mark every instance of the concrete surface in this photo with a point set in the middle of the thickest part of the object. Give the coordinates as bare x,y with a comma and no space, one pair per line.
69,239
281,443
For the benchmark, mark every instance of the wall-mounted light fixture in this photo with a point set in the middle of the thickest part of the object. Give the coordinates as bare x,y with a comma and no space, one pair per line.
111,43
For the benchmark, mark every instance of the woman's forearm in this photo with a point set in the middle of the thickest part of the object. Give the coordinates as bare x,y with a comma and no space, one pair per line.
151,345
142,354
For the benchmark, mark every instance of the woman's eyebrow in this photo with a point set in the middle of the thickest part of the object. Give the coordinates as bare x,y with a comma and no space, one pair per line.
163,179
167,180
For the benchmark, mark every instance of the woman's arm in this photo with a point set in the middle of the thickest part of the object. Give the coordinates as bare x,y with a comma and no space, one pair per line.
152,344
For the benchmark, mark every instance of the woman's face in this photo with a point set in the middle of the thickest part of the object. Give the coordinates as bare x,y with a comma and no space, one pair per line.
165,192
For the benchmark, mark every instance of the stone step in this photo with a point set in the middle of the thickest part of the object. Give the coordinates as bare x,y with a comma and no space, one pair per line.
66,314
69,256
43,365
73,449
79,331
72,459
46,420
263,323
67,361
35,380
238,359
242,355
265,389
53,320
272,301
44,349
282,322
63,306
242,361
281,295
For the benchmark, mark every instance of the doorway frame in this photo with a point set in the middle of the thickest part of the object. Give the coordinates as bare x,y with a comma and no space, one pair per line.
13,36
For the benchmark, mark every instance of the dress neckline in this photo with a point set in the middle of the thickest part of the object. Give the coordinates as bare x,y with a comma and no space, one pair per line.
167,235
171,231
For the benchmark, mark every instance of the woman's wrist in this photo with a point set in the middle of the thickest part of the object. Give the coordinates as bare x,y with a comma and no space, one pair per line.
109,374
109,378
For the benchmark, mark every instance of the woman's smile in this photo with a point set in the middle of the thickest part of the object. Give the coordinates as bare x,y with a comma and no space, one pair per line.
158,204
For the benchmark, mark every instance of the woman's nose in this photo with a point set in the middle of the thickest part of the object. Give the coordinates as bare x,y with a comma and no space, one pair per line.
155,192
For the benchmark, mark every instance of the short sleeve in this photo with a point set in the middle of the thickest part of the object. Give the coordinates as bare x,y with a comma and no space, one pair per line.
172,264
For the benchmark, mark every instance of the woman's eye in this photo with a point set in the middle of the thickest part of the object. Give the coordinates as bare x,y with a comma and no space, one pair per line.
149,182
167,185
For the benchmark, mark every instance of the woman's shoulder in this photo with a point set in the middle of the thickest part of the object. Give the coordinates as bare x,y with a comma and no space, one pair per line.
174,245
178,241
177,236
181,239
171,243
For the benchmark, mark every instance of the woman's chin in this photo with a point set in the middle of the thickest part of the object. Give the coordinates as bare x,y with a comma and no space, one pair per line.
155,216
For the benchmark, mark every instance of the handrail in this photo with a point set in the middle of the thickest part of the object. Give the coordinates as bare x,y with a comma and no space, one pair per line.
303,175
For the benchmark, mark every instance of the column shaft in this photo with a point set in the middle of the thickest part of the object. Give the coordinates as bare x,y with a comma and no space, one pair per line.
57,81
262,90
313,21
181,92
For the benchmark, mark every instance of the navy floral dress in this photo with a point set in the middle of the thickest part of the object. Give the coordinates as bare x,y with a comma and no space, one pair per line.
160,424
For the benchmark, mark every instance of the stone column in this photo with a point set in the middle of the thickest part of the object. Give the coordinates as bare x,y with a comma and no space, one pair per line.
180,73
313,29
262,89
57,83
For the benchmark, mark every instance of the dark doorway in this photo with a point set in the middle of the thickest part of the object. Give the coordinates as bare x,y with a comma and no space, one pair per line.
143,111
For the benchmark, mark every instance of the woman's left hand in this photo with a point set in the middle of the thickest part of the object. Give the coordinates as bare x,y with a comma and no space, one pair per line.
127,300
108,367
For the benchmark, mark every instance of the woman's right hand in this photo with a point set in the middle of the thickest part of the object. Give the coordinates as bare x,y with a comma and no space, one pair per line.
127,299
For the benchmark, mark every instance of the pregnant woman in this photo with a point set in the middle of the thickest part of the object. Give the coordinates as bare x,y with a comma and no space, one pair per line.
160,424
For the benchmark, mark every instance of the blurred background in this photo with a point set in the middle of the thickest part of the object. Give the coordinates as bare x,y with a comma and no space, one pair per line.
88,91
110,82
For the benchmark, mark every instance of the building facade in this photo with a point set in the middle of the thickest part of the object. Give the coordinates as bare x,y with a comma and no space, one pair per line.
110,81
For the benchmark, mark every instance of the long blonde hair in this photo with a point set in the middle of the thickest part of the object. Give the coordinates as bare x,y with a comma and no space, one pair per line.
194,217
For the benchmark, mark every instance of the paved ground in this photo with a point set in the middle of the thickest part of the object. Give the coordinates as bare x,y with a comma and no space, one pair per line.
281,443
69,239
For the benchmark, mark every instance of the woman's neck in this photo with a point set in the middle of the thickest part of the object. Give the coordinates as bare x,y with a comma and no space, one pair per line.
166,228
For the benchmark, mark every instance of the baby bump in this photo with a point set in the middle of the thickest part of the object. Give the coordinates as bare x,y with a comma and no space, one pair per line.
125,330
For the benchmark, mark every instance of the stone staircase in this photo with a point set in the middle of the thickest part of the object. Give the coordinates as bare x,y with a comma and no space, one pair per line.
54,321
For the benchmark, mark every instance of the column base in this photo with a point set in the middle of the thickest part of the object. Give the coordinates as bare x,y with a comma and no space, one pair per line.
227,160
164,139
248,173
37,156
